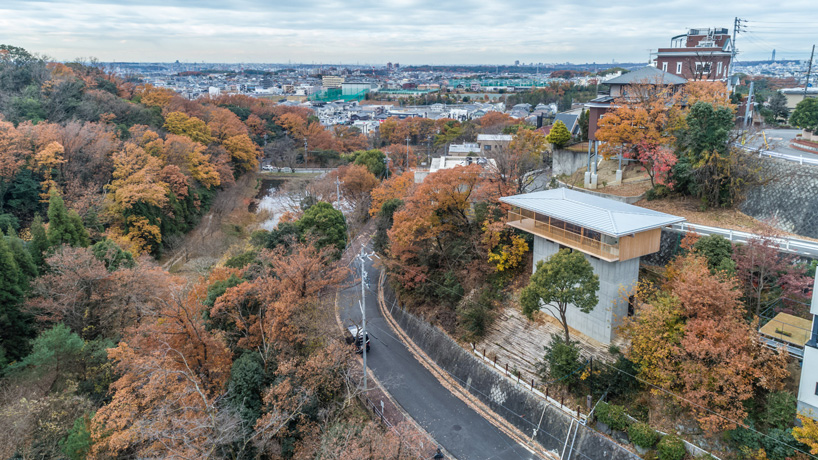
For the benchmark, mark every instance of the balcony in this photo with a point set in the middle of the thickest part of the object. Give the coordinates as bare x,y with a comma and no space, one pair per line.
563,233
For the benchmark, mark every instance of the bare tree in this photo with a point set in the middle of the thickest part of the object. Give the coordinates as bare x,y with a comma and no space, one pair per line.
282,152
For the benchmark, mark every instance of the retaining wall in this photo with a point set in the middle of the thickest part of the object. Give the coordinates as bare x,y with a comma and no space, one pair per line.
518,406
567,162
790,199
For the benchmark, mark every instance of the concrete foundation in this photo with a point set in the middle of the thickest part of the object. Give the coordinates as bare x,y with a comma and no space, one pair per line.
594,179
618,179
616,280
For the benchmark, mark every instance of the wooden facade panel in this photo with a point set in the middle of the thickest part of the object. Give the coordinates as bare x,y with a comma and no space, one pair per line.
641,244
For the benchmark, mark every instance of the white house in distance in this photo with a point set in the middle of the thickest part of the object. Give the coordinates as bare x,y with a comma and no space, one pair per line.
450,162
808,387
612,235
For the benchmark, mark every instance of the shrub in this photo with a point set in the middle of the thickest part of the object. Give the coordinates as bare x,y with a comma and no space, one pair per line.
241,260
643,435
780,410
612,415
657,192
560,362
671,448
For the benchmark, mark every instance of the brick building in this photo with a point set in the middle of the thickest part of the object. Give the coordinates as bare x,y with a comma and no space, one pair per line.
700,54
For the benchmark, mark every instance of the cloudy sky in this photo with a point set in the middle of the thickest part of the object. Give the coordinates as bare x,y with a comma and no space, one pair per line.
405,31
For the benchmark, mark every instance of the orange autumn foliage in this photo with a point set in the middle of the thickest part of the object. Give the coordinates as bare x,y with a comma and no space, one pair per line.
173,370
398,186
692,339
436,212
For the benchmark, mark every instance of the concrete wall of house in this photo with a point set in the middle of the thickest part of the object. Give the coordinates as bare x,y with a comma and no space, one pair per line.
567,162
508,399
789,200
808,388
616,279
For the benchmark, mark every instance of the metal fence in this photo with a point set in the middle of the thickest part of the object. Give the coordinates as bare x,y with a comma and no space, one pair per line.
800,159
786,244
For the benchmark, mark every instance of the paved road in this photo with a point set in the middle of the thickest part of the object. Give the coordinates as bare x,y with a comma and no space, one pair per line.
779,141
452,423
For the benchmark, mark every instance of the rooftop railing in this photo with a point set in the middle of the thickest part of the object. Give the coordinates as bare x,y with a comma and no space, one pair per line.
539,224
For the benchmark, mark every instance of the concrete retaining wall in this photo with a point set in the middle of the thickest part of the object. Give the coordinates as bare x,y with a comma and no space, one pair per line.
567,162
518,406
790,200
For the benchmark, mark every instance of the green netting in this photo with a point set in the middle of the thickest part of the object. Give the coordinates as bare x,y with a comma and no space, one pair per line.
335,94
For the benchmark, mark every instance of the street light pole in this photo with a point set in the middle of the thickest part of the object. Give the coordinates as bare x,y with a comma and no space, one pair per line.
305,153
407,152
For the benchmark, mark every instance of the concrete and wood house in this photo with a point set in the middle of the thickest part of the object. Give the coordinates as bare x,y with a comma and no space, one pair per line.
612,235
808,387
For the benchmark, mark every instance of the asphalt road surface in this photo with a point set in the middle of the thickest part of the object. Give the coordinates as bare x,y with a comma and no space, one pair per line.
779,141
453,424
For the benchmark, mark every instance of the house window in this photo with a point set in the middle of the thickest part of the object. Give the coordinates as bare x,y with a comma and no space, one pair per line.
718,70
816,388
664,67
487,148
702,68
678,67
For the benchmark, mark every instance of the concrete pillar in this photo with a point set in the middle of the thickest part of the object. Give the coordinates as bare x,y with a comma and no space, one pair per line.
587,179
615,279
618,180
594,178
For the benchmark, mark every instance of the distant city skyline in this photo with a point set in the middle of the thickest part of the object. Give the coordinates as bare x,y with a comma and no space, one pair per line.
405,31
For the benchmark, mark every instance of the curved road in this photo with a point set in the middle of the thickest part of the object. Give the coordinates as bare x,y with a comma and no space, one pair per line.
453,424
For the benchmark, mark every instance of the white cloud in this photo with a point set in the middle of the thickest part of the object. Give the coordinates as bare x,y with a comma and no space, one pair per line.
406,31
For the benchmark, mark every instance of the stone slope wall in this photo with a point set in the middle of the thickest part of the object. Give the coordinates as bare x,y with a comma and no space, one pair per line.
790,199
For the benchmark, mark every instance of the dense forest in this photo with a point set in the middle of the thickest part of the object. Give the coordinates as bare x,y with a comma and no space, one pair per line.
105,355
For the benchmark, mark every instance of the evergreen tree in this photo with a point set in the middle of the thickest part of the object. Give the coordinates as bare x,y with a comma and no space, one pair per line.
39,241
326,224
64,227
583,125
559,135
15,326
23,258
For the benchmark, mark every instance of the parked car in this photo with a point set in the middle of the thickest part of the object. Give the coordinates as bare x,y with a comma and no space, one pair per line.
267,168
355,336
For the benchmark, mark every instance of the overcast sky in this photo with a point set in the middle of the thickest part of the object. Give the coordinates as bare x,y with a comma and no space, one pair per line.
405,31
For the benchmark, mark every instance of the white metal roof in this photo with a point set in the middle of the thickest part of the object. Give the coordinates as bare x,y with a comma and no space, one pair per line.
494,137
603,215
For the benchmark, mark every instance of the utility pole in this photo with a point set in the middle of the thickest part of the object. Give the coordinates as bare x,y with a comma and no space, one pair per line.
736,29
305,152
748,108
363,311
407,152
809,71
